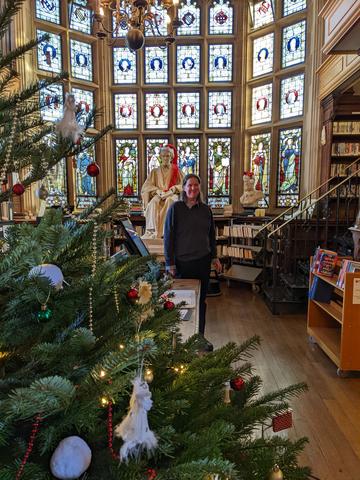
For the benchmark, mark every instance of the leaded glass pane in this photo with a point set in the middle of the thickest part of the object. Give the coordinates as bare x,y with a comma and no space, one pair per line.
289,167
157,110
52,102
189,14
81,60
220,108
156,65
55,184
125,111
49,56
261,104
158,25
188,110
121,29
262,13
220,63
188,63
219,154
221,18
189,154
84,184
127,167
292,6
80,17
84,100
263,55
48,10
293,44
260,164
124,65
292,96
153,146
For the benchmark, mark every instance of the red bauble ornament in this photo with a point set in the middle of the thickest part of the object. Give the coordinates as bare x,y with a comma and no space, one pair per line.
93,169
151,473
237,383
18,189
132,294
168,305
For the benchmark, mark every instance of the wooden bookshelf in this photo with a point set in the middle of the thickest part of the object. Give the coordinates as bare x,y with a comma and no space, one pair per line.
335,326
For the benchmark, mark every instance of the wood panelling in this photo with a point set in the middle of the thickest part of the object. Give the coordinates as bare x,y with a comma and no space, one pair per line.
335,71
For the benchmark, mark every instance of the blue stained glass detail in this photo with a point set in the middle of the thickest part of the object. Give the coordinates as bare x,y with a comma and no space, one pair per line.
263,54
219,154
188,63
81,60
221,18
85,185
189,154
52,102
84,100
48,10
153,146
293,44
127,167
124,66
156,65
120,30
189,14
158,25
220,63
55,184
289,167
260,154
80,17
49,53
292,6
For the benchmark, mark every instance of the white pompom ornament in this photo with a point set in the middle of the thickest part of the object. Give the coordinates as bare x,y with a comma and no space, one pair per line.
71,458
51,272
68,126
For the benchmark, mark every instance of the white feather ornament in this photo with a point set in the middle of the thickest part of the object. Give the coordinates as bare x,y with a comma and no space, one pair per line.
134,428
68,126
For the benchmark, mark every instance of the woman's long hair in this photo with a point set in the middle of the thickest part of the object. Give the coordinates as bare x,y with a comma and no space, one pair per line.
183,195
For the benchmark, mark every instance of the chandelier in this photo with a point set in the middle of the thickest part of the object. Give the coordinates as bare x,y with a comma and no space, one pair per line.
137,17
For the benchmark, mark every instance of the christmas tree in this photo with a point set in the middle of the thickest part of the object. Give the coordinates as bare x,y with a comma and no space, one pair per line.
70,356
30,147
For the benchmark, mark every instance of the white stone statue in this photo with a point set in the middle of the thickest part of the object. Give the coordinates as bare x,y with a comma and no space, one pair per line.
159,191
251,196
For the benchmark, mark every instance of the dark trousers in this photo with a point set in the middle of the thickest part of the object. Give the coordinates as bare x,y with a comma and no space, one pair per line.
200,270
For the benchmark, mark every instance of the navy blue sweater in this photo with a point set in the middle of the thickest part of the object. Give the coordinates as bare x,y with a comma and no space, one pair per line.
189,233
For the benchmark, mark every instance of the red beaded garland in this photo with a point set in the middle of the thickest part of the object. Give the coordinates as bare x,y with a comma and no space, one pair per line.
30,446
114,455
151,474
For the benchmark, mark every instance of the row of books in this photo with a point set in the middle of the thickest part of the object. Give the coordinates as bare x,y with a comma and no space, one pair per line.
347,266
346,127
241,231
342,169
345,149
324,262
238,252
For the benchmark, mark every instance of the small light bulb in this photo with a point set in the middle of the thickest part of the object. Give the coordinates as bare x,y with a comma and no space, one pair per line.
121,346
167,19
104,402
102,373
176,369
148,376
176,2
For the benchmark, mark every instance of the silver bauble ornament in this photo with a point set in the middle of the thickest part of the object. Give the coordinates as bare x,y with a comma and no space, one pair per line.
135,39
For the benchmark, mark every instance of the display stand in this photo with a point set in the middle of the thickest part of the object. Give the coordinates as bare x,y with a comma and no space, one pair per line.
191,325
335,326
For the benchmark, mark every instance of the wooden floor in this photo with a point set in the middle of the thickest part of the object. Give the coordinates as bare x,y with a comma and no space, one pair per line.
329,414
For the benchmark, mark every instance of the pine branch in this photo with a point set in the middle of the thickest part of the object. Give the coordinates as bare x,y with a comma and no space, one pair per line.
18,52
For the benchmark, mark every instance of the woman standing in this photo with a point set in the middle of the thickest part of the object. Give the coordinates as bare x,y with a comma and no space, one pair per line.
189,240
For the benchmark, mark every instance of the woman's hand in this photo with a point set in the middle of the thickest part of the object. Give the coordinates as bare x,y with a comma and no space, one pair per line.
217,265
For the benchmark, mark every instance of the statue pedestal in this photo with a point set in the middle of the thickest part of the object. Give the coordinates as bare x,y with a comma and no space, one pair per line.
356,237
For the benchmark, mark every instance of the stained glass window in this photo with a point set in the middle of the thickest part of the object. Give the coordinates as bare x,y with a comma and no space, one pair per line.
121,29
188,63
48,10
189,154
80,17
262,13
220,63
263,54
188,110
219,154
293,44
127,166
156,65
220,108
158,26
157,110
153,146
84,100
85,185
261,104
221,18
52,102
260,153
55,184
292,6
125,111
189,14
49,57
124,65
289,167
81,60
292,96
